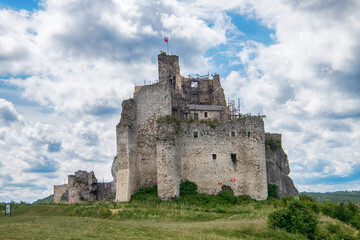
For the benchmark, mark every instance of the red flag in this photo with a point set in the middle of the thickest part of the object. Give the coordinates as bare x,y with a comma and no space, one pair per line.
166,39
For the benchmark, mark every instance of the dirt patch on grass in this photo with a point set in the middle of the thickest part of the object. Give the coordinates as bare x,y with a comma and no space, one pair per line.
115,211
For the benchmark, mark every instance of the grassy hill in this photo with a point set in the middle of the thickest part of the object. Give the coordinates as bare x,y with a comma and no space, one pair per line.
49,199
340,196
192,216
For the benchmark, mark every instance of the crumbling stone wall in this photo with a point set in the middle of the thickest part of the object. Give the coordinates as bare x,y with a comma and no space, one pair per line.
230,154
126,166
106,190
59,191
136,140
168,162
277,165
205,154
81,187
169,69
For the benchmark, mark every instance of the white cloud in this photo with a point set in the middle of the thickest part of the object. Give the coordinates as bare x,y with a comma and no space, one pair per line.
8,113
79,59
306,86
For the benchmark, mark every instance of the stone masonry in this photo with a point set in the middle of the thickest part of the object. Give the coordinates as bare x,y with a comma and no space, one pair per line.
199,140
82,187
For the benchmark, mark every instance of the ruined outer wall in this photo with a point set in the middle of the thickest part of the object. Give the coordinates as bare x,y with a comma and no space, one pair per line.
136,144
198,165
152,101
59,191
219,92
127,179
168,162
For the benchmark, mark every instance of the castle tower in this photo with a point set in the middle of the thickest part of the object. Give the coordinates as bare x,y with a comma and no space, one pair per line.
169,70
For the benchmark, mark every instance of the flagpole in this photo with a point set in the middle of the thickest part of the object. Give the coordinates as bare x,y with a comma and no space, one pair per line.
166,39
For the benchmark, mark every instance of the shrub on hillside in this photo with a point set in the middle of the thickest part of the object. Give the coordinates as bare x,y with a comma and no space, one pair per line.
148,195
304,197
355,221
297,218
245,199
227,197
187,187
273,191
310,203
343,212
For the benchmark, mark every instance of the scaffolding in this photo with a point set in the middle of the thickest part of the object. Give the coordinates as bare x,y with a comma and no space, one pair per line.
198,76
233,111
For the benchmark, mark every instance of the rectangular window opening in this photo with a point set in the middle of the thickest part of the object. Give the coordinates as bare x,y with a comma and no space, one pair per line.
233,134
195,134
205,114
248,134
233,157
214,156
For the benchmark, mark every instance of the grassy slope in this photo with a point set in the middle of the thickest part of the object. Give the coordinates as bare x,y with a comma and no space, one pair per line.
48,199
340,196
196,216
163,222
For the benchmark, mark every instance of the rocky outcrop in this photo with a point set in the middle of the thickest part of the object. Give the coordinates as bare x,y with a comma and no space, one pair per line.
277,166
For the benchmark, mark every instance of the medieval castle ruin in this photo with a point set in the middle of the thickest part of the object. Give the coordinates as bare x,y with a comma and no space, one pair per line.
182,128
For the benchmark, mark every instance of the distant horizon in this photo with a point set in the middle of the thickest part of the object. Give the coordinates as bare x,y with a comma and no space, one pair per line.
66,66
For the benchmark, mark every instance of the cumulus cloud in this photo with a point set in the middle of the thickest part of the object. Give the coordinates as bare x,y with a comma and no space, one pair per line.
75,61
307,83
8,113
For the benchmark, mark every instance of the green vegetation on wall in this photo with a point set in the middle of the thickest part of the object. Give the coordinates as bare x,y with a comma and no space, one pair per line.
273,144
273,191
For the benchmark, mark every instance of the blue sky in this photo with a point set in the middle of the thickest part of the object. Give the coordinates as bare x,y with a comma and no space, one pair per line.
29,5
66,66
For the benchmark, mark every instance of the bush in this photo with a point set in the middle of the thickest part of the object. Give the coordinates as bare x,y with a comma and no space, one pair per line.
304,197
245,198
297,218
227,197
273,191
355,221
148,195
343,212
187,187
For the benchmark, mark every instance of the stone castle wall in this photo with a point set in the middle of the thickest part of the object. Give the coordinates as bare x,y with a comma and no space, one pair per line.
202,153
59,191
136,143
81,187
227,155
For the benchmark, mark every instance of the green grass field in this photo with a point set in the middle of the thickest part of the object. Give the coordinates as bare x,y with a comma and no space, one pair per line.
164,222
133,221
195,216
